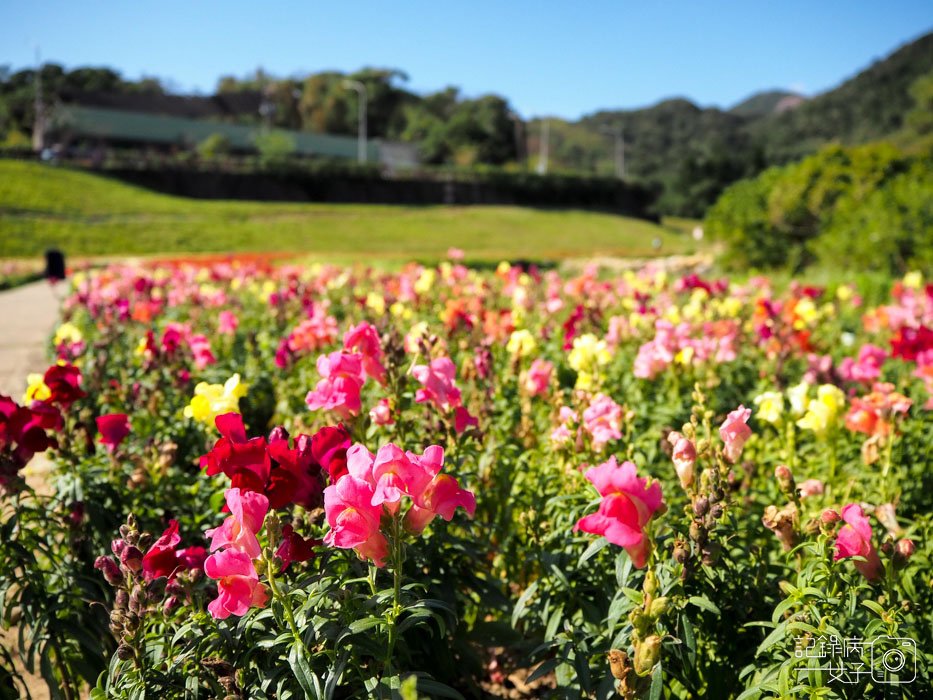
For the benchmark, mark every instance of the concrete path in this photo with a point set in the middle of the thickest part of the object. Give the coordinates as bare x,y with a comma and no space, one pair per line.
28,315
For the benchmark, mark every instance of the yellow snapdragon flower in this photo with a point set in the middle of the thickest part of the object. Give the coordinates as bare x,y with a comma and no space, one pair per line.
823,411
798,396
521,343
36,389
376,302
913,280
67,333
770,407
425,283
212,400
588,355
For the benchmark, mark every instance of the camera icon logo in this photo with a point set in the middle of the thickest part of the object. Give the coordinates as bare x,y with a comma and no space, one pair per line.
893,660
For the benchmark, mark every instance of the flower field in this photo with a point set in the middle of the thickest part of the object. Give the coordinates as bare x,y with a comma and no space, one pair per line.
329,482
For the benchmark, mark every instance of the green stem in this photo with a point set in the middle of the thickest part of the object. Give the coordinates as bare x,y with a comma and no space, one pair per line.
393,613
284,602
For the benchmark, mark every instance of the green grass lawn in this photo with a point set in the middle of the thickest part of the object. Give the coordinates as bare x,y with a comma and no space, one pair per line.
88,215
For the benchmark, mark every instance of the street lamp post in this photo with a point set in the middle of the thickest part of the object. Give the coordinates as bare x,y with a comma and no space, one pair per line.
520,146
361,139
619,136
544,144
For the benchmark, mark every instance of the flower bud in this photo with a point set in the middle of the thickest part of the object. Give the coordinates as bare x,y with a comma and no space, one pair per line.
716,511
659,606
681,552
169,605
125,652
647,654
132,558
122,600
785,479
829,516
701,506
145,540
618,663
278,433
650,586
904,550
108,567
117,546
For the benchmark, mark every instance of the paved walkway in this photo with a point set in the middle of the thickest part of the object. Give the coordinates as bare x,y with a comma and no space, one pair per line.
28,315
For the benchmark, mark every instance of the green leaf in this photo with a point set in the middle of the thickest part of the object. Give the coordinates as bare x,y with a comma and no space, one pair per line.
777,634
704,603
522,603
592,550
309,682
874,607
657,683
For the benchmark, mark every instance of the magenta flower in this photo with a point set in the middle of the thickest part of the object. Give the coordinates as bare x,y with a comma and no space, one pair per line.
238,586
113,427
339,390
734,432
437,379
162,559
463,420
442,497
538,377
381,413
603,421
396,476
247,511
628,503
354,521
854,540
364,340
227,322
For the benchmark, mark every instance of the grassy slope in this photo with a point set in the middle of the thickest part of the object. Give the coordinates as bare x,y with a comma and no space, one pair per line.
84,214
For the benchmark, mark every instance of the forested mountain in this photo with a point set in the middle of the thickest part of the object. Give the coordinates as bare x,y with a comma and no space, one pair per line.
689,153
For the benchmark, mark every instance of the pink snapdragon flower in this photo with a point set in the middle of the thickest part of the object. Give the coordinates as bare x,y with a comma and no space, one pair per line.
537,378
734,432
227,322
374,487
113,428
628,503
437,379
238,586
364,340
866,368
684,457
854,540
603,421
353,519
339,390
563,434
247,511
381,413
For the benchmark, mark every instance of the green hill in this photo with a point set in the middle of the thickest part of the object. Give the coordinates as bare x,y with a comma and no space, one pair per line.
762,104
43,206
693,152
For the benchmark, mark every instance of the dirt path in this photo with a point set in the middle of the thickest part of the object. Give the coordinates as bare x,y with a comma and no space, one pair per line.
27,316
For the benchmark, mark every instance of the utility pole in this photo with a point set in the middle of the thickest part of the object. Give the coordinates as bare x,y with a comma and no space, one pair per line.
38,127
520,145
361,127
619,135
545,136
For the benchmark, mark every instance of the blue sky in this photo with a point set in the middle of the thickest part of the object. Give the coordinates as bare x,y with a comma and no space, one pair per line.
549,58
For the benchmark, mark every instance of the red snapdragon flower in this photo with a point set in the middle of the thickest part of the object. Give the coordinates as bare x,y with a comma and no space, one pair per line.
628,503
